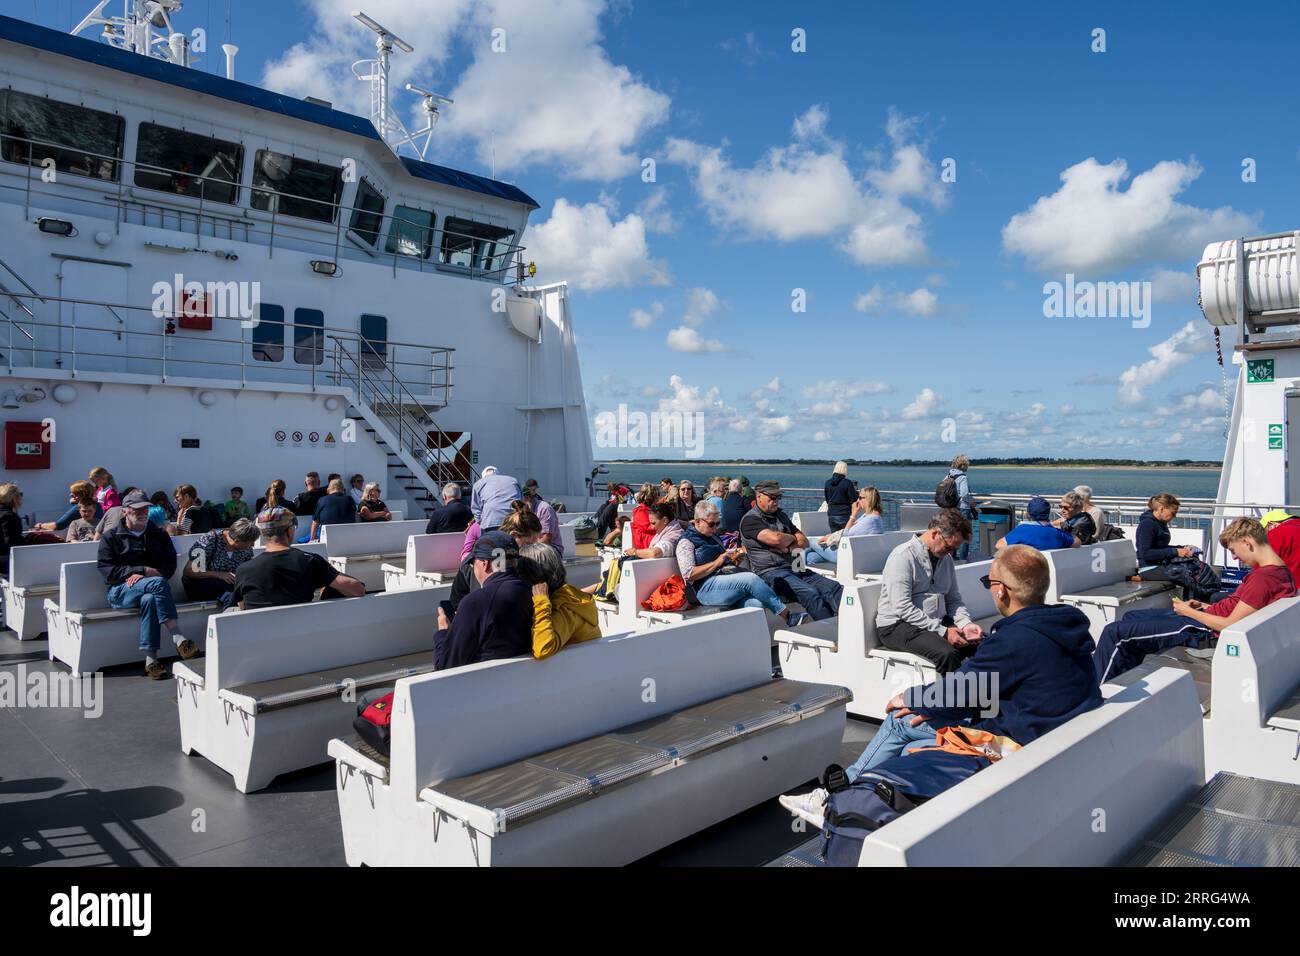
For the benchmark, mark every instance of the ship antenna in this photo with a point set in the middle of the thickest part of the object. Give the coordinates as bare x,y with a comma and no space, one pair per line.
386,122
145,27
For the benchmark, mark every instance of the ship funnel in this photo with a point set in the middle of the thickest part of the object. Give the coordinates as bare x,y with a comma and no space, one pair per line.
230,50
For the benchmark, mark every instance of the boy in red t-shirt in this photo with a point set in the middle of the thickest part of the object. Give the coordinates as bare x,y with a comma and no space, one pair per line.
1126,642
1284,538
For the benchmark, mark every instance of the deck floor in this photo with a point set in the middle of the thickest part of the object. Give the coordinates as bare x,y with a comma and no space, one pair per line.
117,791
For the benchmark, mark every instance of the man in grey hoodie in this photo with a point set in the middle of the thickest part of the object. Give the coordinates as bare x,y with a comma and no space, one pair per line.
921,610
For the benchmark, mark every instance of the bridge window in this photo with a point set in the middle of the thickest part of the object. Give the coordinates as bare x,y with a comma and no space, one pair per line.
188,164
305,189
412,232
308,336
474,245
374,341
268,334
82,141
368,212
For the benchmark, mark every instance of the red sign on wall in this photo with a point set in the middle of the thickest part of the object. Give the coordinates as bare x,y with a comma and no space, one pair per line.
26,447
195,310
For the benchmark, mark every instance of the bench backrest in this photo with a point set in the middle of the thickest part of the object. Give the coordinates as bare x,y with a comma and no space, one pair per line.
269,643
1085,794
1074,570
1178,537
638,580
978,600
82,587
434,552
568,542
1256,666
857,618
372,537
812,523
915,517
37,565
467,719
866,554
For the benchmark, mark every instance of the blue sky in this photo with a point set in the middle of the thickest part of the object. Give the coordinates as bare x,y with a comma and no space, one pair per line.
777,171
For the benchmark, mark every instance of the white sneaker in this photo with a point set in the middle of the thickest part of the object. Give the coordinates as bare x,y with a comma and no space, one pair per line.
807,806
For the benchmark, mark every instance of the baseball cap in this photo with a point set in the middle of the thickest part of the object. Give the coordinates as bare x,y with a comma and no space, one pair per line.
489,545
275,520
136,500
1276,516
1038,509
769,487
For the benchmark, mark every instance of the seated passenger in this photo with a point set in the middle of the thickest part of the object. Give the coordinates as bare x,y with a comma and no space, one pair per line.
869,514
521,525
686,502
562,614
334,507
1037,531
282,574
187,510
274,498
665,530
83,528
1152,537
11,526
1095,512
209,574
712,569
495,620
105,488
615,537
1037,660
545,513
492,497
114,515
357,488
237,507
921,610
453,516
645,500
1124,643
1075,519
734,506
137,561
79,493
372,507
772,541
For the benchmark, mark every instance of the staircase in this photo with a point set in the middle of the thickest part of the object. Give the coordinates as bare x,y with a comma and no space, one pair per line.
401,424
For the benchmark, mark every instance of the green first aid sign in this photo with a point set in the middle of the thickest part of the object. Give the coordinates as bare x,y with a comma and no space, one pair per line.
1259,371
1275,436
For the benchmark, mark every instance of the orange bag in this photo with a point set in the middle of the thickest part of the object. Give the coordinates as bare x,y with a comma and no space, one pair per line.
971,743
669,596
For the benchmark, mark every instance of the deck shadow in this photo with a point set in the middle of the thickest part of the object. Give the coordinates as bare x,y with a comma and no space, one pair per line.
80,827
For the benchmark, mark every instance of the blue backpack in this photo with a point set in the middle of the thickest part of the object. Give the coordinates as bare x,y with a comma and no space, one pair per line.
886,793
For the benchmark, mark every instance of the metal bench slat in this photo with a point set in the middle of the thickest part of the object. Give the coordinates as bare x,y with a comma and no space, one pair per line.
320,685
108,613
1287,717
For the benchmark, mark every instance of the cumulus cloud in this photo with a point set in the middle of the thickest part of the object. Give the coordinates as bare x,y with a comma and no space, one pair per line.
700,304
1173,352
807,190
644,318
924,405
1171,285
592,251
830,388
685,339
771,388
551,96
920,302
1093,225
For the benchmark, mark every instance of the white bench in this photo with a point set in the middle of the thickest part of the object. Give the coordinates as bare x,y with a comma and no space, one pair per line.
862,556
1254,721
1085,794
913,516
579,570
596,756
845,649
813,524
360,550
277,683
33,577
1094,578
431,559
637,581
1178,537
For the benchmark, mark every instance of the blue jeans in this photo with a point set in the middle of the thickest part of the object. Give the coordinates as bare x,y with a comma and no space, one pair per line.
153,596
815,552
1124,643
740,589
819,595
890,741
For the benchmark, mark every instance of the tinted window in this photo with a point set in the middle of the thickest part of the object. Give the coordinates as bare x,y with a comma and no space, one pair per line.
308,336
310,190
174,161
268,334
411,233
374,340
368,212
474,245
54,128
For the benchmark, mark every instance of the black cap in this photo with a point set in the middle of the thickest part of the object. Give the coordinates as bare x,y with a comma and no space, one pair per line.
769,487
490,545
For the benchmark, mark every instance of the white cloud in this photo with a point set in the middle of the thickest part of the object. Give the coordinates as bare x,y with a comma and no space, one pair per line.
552,96
655,212
771,388
1175,439
685,339
921,301
821,436
831,409
1171,285
700,304
1091,225
829,388
807,190
925,405
593,252
772,427
644,318
1173,352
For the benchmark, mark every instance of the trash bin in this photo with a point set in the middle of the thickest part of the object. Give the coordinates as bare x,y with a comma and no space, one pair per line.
995,520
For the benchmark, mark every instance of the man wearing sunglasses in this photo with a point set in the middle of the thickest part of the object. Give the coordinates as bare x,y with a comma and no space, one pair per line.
772,542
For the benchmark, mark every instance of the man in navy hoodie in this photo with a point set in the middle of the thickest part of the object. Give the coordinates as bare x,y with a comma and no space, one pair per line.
494,622
1033,669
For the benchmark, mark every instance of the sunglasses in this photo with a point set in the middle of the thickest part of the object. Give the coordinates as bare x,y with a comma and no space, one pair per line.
713,524
988,582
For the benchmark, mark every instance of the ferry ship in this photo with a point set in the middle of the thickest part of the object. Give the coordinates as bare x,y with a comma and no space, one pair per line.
207,282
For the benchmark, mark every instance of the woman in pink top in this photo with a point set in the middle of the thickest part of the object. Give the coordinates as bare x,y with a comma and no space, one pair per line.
472,534
105,488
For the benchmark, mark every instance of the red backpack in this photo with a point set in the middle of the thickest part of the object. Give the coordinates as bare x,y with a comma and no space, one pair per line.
374,721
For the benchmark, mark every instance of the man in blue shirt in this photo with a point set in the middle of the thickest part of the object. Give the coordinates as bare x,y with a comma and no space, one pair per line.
1038,532
337,507
491,498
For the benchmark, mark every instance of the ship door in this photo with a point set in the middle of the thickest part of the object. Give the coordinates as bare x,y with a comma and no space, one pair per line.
1292,441
94,332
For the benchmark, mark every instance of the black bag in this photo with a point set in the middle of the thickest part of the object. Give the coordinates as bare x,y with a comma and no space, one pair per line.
1199,581
945,495
373,722
886,793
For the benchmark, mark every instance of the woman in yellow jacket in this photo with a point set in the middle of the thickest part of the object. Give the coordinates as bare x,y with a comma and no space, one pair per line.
561,613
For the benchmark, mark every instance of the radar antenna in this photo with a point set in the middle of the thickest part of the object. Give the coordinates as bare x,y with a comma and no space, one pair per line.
389,126
145,27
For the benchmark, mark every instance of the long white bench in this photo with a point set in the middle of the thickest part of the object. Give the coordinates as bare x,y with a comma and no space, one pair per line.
431,559
845,649
862,556
1086,794
597,756
360,550
277,683
1095,579
33,577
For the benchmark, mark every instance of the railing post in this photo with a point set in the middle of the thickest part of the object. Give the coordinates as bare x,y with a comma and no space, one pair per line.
27,200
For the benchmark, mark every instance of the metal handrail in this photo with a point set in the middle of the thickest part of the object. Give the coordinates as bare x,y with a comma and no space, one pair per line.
511,250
